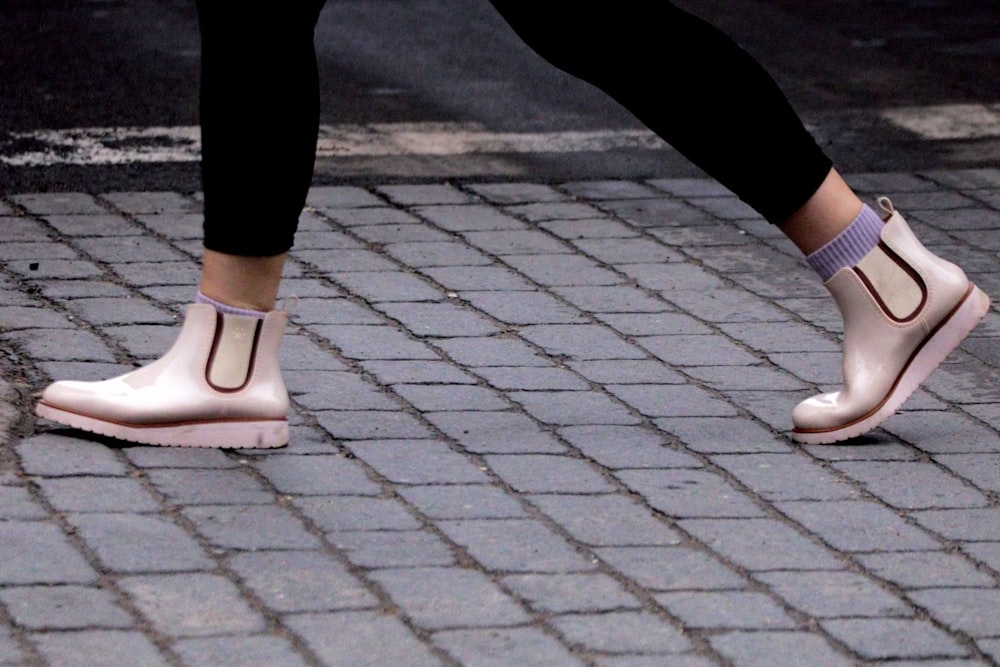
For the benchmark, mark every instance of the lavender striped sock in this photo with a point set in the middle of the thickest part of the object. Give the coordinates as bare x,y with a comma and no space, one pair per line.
228,310
850,245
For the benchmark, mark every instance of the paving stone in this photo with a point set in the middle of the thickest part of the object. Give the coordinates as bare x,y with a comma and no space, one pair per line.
618,447
721,305
63,607
53,455
418,462
373,342
47,269
174,457
192,605
317,475
494,351
38,553
328,310
542,211
325,390
446,253
62,345
598,228
98,494
532,379
384,287
894,638
628,371
371,425
361,638
650,324
254,651
778,649
987,553
341,196
18,317
469,218
10,651
301,581
581,342
393,548
785,477
561,593
140,543
878,451
559,269
858,525
433,398
980,469
417,372
337,261
144,342
525,647
415,195
439,319
522,308
943,432
17,503
67,203
681,400
670,279
209,487
340,513
449,501
438,598
761,544
962,524
925,569
150,202
478,278
606,520
835,594
689,493
541,473
913,485
684,350
514,193
98,647
516,242
654,661
125,249
731,610
972,611
619,251
565,408
515,545
250,527
672,568
621,632
375,215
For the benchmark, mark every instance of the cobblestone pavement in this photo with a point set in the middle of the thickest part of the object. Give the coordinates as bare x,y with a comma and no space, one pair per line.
533,425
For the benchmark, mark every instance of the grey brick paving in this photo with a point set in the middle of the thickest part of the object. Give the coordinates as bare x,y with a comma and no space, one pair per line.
533,424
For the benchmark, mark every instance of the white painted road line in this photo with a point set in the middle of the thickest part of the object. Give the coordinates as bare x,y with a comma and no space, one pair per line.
128,145
948,121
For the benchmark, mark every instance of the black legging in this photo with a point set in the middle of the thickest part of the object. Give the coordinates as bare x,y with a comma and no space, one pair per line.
682,77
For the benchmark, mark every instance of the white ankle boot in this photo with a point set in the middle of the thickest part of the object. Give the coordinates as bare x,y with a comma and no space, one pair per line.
904,311
218,386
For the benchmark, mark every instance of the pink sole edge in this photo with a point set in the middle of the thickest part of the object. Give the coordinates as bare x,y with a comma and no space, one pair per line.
217,435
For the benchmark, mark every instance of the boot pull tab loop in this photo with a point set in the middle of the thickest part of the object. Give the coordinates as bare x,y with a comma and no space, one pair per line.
886,205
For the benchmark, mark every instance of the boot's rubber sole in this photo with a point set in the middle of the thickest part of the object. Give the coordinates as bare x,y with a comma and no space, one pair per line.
935,348
216,434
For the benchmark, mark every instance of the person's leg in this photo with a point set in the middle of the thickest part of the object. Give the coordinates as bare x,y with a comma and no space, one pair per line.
904,309
220,385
